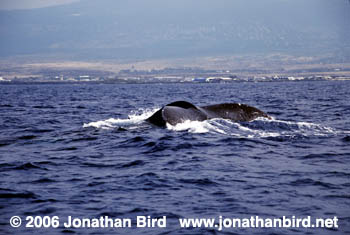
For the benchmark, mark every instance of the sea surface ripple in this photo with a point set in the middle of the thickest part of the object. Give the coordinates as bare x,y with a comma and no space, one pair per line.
84,150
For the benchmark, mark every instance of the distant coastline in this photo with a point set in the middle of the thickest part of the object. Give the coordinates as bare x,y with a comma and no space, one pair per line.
274,67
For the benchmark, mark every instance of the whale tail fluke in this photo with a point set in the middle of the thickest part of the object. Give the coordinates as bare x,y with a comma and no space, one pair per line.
180,111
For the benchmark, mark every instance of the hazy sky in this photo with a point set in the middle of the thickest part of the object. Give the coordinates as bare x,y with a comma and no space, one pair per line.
29,4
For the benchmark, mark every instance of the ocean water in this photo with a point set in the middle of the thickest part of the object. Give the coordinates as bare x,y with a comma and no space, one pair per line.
84,150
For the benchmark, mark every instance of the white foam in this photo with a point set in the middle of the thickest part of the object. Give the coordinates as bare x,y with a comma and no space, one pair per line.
194,127
221,126
134,118
305,128
301,124
257,133
106,124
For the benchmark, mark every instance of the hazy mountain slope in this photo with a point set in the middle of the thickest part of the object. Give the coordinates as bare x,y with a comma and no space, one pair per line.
181,28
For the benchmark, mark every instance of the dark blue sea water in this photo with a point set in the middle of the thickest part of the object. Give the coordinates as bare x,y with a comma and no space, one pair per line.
83,150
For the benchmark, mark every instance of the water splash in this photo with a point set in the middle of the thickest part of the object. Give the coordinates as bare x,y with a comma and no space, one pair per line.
134,118
259,128
195,127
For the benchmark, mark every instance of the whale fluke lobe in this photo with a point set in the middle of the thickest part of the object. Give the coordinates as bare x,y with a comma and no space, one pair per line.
180,111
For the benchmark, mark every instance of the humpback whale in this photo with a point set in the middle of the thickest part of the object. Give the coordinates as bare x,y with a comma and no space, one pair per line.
180,111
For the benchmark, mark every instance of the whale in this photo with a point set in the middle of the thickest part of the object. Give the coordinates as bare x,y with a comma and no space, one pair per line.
181,111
